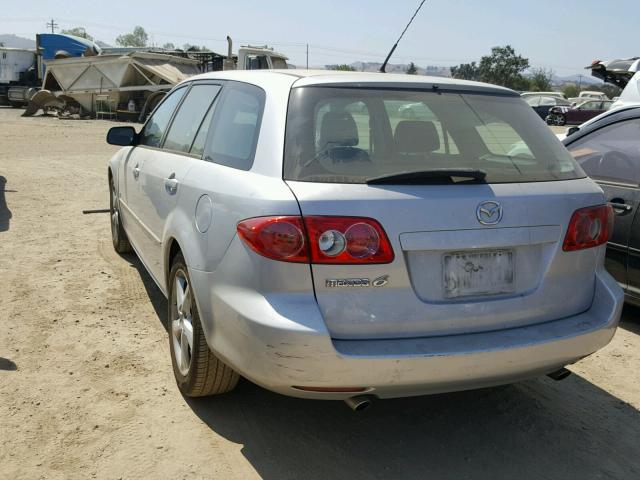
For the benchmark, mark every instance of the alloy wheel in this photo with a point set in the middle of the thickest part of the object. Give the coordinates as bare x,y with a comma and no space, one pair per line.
182,323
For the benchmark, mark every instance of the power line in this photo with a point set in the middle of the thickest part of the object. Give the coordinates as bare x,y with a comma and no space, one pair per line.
53,25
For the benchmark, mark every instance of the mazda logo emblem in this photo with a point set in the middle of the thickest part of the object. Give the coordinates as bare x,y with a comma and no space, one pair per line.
489,212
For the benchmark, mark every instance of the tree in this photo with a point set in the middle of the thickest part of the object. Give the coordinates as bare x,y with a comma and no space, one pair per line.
137,38
571,90
540,80
411,69
187,47
343,67
466,71
169,46
78,32
504,67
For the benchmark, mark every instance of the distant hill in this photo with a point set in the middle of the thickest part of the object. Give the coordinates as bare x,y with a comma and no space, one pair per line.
585,79
399,68
13,41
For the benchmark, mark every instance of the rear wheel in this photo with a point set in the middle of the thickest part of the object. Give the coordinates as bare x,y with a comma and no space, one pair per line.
118,235
197,370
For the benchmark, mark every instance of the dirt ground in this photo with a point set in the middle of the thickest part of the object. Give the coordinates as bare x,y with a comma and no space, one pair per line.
87,390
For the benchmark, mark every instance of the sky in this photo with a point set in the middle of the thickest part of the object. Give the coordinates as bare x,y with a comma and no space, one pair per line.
563,36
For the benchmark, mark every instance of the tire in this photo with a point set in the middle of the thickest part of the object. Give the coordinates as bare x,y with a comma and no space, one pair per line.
197,370
118,235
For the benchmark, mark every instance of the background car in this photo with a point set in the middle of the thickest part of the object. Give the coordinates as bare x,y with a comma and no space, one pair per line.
543,103
609,152
580,113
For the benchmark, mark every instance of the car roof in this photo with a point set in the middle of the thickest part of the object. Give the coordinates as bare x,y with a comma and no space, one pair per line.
615,116
299,78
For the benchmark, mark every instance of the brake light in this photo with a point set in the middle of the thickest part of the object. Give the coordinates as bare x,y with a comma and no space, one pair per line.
347,240
279,238
317,239
589,227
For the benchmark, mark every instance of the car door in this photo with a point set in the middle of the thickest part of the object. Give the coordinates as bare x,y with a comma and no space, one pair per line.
586,111
611,156
632,151
164,172
133,186
223,180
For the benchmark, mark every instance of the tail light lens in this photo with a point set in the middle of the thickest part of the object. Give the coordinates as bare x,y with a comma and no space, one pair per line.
589,227
347,240
279,238
318,239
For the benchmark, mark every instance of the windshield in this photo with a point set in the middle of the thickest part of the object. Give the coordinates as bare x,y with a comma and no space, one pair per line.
350,135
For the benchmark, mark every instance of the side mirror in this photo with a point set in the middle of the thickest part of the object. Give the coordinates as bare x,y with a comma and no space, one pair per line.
123,136
572,130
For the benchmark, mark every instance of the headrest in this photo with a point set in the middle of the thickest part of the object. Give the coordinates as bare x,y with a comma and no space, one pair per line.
338,129
413,136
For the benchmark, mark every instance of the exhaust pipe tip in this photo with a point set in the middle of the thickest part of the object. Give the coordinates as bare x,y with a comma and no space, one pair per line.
560,374
360,402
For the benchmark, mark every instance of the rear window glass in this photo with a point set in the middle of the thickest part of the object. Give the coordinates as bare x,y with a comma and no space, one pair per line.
349,135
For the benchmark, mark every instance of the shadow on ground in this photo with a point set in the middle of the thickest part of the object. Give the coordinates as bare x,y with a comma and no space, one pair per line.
6,364
5,213
631,319
531,430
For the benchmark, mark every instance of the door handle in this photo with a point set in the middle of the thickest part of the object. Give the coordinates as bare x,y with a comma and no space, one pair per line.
171,184
136,172
619,206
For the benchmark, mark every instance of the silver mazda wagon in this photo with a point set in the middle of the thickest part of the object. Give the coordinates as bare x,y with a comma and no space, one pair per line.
357,235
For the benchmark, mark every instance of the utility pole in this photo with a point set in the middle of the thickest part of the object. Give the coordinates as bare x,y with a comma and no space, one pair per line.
307,56
580,82
53,25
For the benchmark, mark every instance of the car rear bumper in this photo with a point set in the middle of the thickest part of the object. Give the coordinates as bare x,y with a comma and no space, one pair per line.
280,341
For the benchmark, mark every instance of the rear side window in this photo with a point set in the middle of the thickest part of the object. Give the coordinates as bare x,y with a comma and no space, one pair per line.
236,125
189,117
155,128
352,134
611,153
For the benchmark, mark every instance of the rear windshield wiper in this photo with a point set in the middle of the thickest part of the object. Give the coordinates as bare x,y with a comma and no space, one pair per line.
432,176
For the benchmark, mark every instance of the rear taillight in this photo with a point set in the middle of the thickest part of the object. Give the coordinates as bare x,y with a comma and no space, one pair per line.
279,238
589,227
318,239
347,240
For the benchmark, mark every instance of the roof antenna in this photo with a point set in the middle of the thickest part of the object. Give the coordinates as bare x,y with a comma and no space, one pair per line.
386,60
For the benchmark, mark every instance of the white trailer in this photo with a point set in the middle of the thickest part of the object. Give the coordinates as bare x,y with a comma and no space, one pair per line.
15,64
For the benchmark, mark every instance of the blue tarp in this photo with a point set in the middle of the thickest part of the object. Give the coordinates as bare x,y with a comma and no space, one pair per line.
50,43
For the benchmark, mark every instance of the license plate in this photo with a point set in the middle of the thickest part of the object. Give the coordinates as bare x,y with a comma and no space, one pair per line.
489,272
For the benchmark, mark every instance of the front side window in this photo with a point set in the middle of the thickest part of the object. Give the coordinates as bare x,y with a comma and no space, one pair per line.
155,128
351,135
611,154
189,117
235,127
